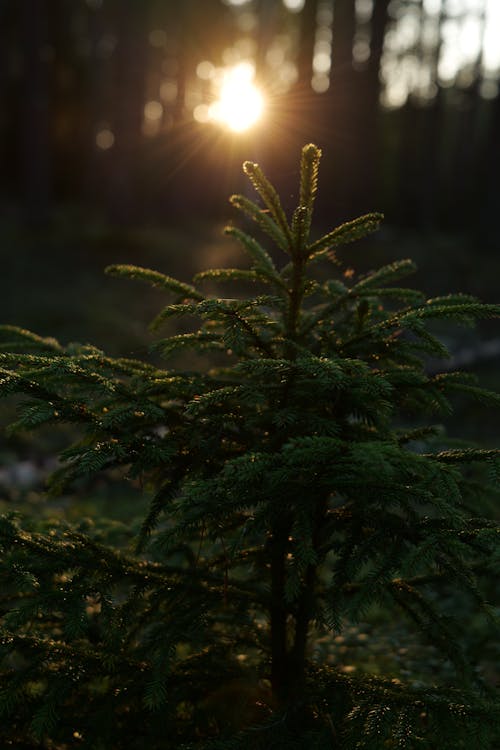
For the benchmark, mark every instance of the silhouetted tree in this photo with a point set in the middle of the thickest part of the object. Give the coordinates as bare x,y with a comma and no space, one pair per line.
307,40
368,109
35,143
341,99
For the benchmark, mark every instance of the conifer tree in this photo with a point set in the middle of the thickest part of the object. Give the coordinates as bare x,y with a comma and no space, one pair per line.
291,485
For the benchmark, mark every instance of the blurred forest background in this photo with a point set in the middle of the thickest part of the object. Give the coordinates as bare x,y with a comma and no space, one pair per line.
104,104
108,152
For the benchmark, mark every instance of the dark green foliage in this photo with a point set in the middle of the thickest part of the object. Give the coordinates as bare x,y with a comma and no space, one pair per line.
291,488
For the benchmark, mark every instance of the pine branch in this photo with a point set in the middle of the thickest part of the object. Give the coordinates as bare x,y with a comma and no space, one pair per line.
155,278
270,198
345,233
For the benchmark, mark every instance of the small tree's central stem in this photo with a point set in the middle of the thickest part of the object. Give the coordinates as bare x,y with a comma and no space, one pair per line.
279,655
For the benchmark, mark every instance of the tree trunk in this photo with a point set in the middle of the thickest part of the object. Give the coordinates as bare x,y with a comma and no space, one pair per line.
342,97
4,98
487,225
279,651
430,182
96,110
463,180
129,96
367,126
35,141
306,49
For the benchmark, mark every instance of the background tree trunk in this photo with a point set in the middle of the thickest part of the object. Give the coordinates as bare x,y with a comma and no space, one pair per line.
129,101
308,26
342,97
367,115
35,142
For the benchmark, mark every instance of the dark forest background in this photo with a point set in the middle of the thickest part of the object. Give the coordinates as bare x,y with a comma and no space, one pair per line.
97,102
105,155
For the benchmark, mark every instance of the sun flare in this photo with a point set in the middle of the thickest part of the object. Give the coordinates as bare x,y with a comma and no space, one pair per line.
240,104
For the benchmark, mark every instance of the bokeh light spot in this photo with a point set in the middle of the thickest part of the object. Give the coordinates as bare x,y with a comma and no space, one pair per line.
153,110
294,5
205,70
104,139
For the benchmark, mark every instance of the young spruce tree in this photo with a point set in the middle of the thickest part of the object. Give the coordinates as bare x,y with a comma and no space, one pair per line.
289,491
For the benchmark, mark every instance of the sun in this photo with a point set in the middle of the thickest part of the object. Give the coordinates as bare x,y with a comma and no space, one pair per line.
240,104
